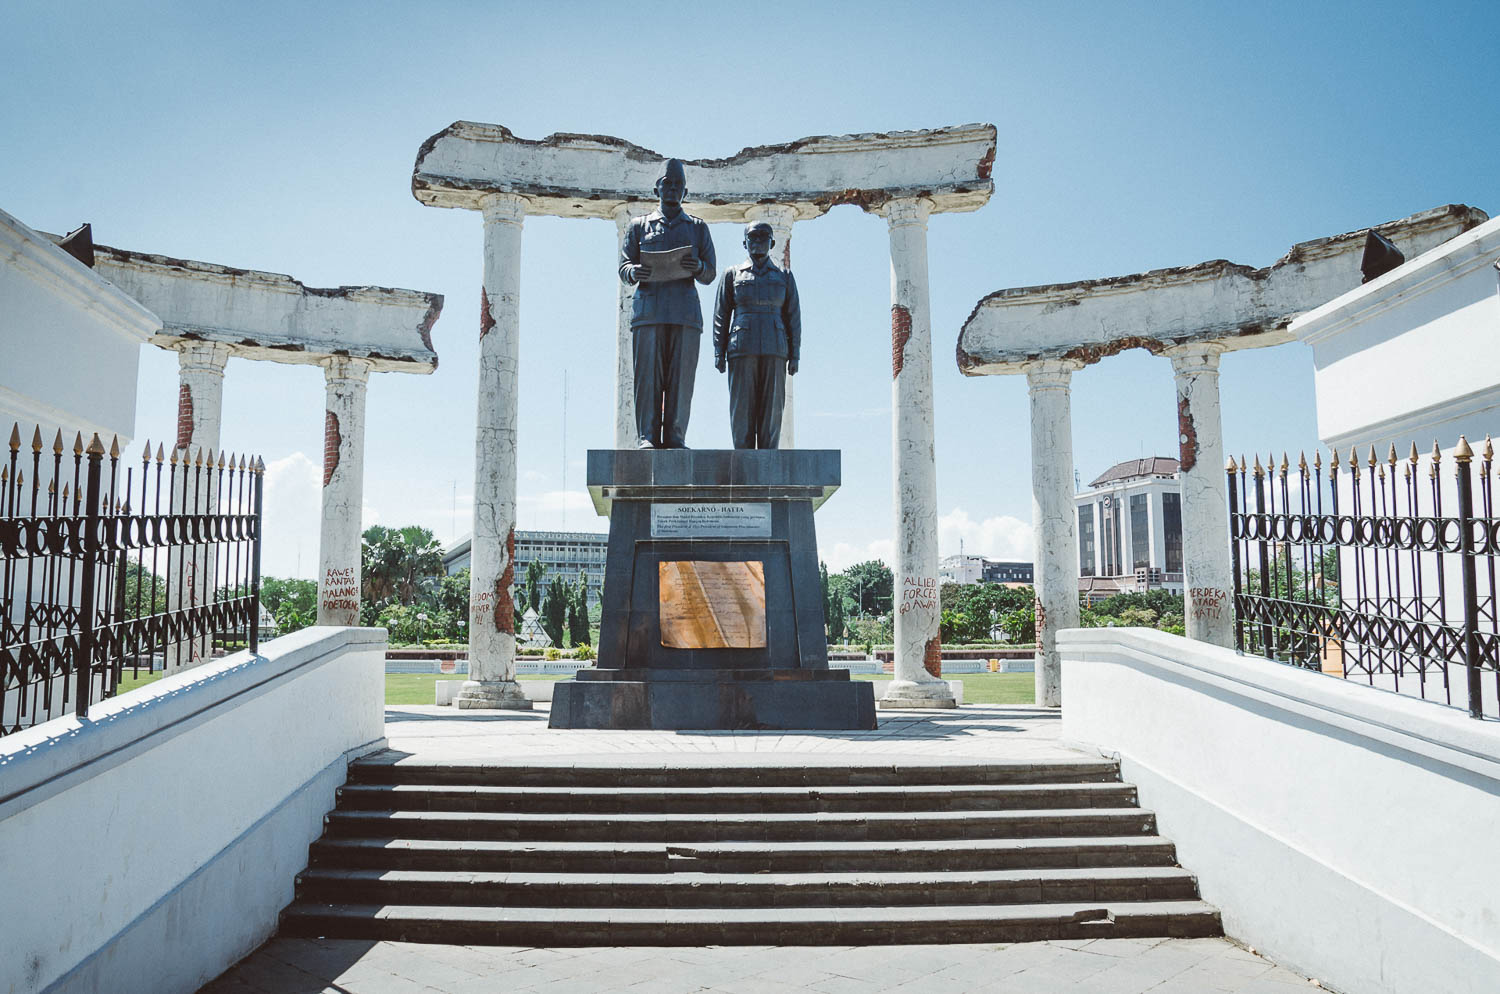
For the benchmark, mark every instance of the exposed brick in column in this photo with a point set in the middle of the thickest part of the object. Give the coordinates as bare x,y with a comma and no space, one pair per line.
184,416
331,441
900,335
505,606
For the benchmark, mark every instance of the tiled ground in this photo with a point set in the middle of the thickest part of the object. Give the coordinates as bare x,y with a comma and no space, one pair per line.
985,733
1099,966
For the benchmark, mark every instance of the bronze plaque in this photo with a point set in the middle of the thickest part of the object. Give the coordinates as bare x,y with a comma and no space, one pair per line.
712,605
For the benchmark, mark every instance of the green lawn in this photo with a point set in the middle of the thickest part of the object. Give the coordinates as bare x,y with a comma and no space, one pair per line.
127,682
979,688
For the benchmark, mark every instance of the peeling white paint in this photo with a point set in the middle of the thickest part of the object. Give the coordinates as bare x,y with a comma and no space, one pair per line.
492,639
592,175
1237,305
273,316
1053,518
1208,578
339,578
200,370
916,606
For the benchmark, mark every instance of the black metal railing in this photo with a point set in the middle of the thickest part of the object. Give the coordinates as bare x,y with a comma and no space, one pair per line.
107,568
1382,570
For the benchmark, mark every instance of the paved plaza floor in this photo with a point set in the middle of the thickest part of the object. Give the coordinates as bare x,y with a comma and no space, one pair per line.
975,732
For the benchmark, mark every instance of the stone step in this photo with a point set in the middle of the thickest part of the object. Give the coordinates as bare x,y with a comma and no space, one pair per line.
532,926
724,890
741,857
823,826
390,768
747,800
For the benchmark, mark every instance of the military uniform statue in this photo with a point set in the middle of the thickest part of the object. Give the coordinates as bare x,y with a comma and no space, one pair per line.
758,337
666,319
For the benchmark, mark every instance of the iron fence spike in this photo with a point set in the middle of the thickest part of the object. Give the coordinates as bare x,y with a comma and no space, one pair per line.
1302,461
51,486
146,455
1372,459
96,447
1462,453
1437,452
1393,456
1414,457
1258,471
36,439
15,437
1334,453
173,459
114,447
1317,459
65,493
221,459
4,473
1230,467
57,443
159,453
1489,449
199,460
1285,463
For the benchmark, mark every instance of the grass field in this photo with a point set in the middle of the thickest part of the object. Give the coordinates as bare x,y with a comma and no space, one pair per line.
979,688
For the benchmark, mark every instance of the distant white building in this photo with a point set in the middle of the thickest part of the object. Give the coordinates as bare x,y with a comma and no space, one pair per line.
1130,530
977,569
563,554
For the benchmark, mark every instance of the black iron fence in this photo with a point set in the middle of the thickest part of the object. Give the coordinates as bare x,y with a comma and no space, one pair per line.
108,569
1380,570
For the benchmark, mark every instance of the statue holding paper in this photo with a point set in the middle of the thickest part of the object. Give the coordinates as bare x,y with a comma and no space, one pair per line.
663,253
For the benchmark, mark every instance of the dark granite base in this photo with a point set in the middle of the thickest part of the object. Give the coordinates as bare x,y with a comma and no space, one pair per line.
715,699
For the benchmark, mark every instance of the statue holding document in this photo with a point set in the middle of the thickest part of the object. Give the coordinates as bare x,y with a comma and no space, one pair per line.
664,252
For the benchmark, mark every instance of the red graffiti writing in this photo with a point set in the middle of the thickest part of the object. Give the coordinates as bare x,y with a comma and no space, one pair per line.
340,589
919,594
1207,603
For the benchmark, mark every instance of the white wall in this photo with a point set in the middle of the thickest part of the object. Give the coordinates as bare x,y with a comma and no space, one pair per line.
159,838
1346,832
1396,359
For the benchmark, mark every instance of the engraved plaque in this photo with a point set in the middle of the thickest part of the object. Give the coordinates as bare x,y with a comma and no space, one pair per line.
712,605
741,520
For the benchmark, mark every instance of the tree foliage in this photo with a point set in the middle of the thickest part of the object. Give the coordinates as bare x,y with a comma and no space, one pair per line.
399,565
578,612
977,612
870,585
554,613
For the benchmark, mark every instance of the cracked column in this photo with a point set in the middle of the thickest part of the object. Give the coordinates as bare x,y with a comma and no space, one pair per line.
625,437
200,411
343,490
1053,519
780,217
492,615
1207,573
918,651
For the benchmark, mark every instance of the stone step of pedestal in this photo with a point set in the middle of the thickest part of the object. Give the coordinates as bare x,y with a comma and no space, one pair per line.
741,857
542,926
740,827
764,890
787,774
746,800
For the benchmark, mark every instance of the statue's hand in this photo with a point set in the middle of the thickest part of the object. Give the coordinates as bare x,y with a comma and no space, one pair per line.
791,367
692,264
640,273
721,364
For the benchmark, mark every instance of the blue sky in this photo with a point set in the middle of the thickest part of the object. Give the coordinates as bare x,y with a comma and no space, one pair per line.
1131,136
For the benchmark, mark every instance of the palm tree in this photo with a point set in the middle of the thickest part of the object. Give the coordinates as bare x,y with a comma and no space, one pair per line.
398,564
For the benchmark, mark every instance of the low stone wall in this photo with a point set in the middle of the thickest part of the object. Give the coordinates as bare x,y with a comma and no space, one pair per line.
1344,831
151,845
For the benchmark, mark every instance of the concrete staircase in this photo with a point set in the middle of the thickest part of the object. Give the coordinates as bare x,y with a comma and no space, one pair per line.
721,855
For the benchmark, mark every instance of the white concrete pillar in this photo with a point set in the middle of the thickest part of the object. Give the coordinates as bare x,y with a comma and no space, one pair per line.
780,217
916,580
343,490
200,412
492,616
1053,519
625,437
1207,578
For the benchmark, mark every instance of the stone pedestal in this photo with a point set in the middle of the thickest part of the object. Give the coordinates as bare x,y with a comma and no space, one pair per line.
712,614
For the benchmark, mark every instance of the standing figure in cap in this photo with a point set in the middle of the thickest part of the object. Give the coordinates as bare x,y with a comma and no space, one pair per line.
665,319
758,335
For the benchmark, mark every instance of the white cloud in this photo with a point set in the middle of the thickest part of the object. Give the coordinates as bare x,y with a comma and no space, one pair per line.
842,555
1002,537
293,516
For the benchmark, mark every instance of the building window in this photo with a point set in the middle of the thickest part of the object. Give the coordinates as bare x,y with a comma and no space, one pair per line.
1140,532
1171,520
1086,540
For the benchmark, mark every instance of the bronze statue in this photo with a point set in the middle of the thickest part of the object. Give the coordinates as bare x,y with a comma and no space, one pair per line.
758,335
663,253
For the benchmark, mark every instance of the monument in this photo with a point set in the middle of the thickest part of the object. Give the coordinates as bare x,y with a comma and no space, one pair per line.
757,339
712,609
